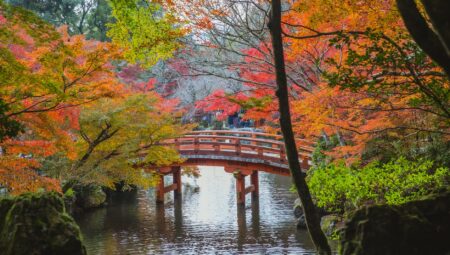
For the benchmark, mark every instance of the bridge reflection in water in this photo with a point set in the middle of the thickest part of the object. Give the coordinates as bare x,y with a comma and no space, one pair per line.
240,153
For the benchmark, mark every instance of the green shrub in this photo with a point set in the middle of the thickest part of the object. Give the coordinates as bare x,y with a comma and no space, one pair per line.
339,188
70,193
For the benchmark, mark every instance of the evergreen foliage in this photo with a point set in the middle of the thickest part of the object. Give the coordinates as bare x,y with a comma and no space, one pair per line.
339,188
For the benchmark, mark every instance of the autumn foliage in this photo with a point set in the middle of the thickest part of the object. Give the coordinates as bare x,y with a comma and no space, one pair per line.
71,110
354,74
357,82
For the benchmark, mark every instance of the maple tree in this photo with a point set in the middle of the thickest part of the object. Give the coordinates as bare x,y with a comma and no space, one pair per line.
339,68
114,149
376,83
45,72
54,86
143,31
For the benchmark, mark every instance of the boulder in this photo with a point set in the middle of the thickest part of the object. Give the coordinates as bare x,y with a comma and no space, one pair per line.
299,214
331,225
298,210
301,222
418,227
89,196
69,201
38,224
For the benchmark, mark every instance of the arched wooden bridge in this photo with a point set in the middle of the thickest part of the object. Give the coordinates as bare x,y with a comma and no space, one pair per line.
239,152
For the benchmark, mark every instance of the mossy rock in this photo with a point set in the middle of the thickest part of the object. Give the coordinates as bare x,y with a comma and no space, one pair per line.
331,225
301,222
298,209
89,196
415,228
35,224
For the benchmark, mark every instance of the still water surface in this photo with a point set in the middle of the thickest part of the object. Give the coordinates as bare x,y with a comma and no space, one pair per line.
205,221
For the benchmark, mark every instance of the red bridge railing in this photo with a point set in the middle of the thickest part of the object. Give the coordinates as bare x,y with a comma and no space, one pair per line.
246,145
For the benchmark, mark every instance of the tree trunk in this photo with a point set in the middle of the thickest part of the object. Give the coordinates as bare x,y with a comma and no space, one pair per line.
435,42
312,219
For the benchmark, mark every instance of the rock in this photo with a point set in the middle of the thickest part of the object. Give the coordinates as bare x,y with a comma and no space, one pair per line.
298,213
301,222
89,196
331,225
298,210
418,227
38,224
69,201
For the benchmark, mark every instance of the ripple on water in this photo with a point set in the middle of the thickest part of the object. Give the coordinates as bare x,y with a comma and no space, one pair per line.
204,222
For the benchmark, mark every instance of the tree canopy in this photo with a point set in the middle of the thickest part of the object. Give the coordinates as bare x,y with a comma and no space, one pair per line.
66,110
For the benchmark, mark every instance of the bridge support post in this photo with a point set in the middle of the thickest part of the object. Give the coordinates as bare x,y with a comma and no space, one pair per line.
255,183
175,186
304,163
240,188
160,190
176,174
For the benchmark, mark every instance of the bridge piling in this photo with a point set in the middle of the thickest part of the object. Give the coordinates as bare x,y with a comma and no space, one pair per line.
255,183
304,163
176,174
240,188
161,189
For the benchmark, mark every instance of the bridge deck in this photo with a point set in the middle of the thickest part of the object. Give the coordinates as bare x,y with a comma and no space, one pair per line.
244,151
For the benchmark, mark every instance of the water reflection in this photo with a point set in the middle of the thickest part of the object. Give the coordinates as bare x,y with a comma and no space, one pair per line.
203,222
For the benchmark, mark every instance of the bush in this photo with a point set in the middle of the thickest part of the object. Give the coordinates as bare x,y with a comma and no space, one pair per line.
69,193
339,188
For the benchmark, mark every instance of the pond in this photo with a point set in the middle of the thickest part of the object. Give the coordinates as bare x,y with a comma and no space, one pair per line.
205,221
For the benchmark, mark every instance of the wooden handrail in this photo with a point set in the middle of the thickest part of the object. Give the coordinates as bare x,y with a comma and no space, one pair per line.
234,132
251,145
197,139
277,137
236,152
